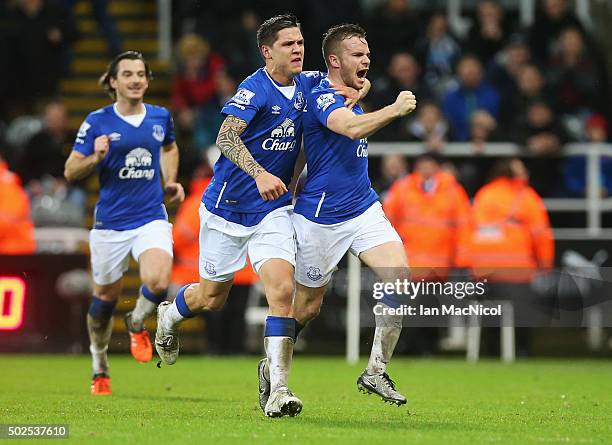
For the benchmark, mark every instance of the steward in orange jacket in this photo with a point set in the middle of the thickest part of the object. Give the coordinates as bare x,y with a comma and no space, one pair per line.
186,232
511,238
16,228
430,211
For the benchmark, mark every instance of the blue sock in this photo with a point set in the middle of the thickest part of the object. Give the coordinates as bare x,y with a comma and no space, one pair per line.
153,298
100,309
181,304
298,328
392,300
279,327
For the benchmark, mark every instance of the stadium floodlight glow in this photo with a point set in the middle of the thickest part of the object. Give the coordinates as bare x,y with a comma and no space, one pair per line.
12,303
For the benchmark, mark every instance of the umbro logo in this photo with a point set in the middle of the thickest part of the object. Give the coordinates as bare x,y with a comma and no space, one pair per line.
276,109
114,136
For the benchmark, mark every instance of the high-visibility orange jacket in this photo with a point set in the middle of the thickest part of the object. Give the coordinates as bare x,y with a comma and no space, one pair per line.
185,233
511,236
433,224
16,228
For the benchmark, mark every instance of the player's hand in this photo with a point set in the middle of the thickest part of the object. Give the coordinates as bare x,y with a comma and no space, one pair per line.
270,187
175,191
405,103
101,145
351,95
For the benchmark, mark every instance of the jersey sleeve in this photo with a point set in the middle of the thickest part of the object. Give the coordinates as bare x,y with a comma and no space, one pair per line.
311,79
247,101
84,142
169,130
324,102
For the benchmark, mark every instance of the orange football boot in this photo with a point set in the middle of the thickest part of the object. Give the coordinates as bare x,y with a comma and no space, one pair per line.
100,385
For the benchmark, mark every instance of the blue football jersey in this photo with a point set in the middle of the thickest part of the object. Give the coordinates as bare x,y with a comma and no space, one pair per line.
337,185
131,194
273,137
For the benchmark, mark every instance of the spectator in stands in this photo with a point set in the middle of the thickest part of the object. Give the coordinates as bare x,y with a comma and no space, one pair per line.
596,131
483,129
225,328
393,168
471,94
403,73
393,27
511,241
194,90
429,127
531,89
551,19
503,71
437,52
43,33
488,33
542,135
240,45
46,152
16,228
574,75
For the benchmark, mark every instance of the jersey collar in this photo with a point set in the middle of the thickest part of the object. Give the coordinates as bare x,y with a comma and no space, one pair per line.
287,91
134,120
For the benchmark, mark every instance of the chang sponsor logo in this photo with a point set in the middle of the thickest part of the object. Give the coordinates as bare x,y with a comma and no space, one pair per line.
134,161
362,148
282,138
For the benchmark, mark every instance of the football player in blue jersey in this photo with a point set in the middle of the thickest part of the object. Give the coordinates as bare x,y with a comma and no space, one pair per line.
246,209
131,146
337,210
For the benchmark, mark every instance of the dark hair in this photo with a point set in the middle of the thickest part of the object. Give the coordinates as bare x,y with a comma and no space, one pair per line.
336,34
502,169
113,69
268,31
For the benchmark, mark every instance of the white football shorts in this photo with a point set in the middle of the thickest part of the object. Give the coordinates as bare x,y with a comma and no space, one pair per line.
224,245
320,247
110,249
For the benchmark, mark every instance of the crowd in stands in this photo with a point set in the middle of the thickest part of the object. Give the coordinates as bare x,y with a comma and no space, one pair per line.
540,87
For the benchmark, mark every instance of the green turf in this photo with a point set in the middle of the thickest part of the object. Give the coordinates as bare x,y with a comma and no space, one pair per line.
204,400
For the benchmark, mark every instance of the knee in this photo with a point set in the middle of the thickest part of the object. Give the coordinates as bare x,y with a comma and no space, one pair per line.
281,291
157,285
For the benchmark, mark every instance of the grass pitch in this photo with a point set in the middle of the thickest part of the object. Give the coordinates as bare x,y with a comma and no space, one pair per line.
214,400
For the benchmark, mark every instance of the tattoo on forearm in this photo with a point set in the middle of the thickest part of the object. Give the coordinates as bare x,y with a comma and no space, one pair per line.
233,148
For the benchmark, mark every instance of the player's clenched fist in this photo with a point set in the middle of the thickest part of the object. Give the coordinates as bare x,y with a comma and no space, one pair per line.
405,103
270,187
101,145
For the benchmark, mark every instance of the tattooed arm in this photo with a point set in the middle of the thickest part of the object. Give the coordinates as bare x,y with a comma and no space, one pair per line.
229,142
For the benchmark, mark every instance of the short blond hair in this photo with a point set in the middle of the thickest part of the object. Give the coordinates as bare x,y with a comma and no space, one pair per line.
192,45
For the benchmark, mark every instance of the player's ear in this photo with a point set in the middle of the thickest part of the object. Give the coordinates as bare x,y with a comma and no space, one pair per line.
334,61
112,82
266,52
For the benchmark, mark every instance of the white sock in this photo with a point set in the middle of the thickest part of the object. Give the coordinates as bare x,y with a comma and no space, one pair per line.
142,310
99,337
388,330
172,317
279,351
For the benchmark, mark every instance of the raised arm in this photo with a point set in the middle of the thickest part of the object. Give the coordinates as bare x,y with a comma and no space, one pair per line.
345,122
229,142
